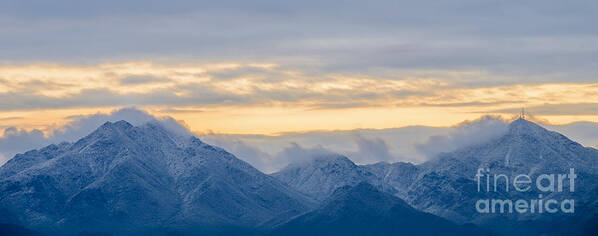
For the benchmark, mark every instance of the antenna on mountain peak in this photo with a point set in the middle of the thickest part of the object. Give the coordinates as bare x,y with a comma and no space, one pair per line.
522,113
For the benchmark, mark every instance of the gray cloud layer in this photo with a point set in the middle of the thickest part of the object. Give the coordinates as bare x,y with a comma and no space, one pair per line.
538,40
558,109
507,42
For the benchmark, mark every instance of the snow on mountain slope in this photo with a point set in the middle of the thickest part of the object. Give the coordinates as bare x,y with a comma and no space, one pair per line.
319,177
446,186
127,178
398,175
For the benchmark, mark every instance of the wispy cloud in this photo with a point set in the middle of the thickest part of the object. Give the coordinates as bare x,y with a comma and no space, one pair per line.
268,98
150,84
464,134
557,109
541,40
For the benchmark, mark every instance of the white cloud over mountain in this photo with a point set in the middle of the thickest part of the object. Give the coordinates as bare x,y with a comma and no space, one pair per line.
270,153
464,134
15,140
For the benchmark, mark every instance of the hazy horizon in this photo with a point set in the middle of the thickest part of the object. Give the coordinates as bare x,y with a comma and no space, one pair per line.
269,153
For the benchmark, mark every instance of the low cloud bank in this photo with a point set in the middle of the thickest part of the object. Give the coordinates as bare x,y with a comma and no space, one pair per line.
415,144
464,134
410,144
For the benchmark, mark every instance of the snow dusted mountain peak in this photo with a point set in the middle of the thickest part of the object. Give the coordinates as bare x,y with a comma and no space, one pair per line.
113,126
527,148
321,175
523,126
121,124
525,145
120,130
127,178
158,128
124,133
329,160
534,138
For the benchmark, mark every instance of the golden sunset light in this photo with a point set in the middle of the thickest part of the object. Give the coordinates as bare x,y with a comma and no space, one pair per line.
261,98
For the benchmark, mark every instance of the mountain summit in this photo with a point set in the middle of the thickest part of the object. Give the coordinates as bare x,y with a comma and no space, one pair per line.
322,175
447,186
125,179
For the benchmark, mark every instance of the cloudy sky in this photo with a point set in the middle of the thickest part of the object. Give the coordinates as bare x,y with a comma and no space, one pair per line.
273,67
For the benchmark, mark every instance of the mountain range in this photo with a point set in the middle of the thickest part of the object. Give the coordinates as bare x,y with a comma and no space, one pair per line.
125,180
446,185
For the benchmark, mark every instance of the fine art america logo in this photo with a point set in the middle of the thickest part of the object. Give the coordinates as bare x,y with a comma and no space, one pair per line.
545,184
